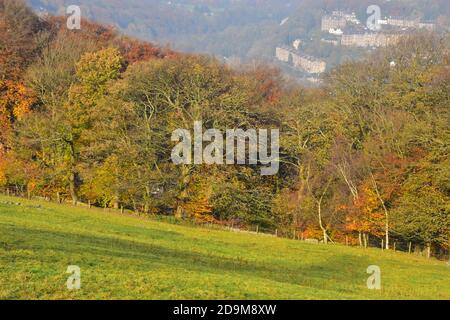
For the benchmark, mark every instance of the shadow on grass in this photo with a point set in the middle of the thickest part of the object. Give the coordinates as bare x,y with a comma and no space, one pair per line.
336,272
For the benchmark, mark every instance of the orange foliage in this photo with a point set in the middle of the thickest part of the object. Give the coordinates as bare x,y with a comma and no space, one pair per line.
90,31
200,209
15,102
313,232
134,50
104,36
268,82
366,215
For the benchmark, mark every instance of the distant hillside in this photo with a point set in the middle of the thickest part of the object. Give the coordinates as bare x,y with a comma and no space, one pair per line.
40,240
248,29
241,31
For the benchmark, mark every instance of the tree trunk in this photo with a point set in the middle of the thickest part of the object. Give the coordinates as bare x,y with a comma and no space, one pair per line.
116,203
386,213
303,181
147,198
73,175
180,212
325,235
387,229
73,188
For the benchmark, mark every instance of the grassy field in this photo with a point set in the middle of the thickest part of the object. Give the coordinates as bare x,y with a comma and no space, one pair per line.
124,257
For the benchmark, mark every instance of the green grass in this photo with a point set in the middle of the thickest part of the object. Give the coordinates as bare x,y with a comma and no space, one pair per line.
124,257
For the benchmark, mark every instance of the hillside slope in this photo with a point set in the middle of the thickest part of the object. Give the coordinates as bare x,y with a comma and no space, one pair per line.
125,257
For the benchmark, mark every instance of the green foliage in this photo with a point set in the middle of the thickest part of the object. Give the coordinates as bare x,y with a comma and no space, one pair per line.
423,211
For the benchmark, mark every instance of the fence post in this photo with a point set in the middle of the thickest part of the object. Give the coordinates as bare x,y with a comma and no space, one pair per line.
276,232
395,246
382,244
257,229
409,247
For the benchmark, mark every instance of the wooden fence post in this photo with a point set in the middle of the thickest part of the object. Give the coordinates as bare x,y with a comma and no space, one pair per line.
409,247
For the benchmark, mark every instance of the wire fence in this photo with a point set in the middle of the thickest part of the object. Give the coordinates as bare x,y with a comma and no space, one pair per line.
396,245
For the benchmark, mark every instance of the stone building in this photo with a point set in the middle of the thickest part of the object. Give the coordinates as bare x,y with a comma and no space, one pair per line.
430,26
301,61
369,39
402,22
282,54
349,17
333,22
338,20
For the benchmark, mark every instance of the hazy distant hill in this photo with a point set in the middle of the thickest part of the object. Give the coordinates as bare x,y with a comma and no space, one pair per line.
245,30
